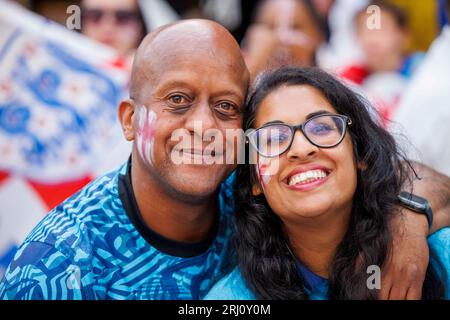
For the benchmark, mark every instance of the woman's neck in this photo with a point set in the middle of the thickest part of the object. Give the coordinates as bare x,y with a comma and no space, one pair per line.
315,240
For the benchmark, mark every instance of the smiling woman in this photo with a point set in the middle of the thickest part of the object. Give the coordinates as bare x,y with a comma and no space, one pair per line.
320,222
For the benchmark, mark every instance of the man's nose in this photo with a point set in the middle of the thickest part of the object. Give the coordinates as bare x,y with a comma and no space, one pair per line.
200,115
301,148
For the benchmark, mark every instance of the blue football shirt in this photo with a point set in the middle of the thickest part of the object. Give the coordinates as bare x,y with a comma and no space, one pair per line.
96,246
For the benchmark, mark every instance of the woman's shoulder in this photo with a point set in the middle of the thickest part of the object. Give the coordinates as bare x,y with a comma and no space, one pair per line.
439,242
231,287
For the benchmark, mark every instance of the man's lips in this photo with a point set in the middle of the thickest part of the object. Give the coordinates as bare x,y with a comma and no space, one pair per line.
198,152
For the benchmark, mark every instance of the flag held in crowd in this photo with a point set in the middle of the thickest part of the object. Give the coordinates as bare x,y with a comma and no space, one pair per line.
58,103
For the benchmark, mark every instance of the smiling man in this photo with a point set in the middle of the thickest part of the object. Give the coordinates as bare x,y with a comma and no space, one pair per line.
154,229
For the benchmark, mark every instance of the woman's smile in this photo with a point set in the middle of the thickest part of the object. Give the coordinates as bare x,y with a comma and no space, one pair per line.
307,178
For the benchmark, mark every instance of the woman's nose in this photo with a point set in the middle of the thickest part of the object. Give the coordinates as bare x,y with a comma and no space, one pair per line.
301,148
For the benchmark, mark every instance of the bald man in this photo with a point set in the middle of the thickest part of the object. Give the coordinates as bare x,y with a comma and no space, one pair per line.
154,228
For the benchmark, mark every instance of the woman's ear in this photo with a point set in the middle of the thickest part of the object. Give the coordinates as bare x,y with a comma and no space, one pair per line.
362,166
256,190
126,115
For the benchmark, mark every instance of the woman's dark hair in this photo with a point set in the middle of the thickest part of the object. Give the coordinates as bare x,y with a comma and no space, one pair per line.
263,251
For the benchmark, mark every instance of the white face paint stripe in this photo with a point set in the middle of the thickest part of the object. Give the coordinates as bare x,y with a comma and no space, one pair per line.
145,133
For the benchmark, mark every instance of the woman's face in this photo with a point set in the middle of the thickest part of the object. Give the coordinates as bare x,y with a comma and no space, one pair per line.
296,30
114,23
331,182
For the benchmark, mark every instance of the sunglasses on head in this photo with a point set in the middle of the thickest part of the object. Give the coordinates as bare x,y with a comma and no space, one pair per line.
121,17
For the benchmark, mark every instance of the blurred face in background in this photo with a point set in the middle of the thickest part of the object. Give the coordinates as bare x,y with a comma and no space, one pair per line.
296,30
384,48
116,23
323,6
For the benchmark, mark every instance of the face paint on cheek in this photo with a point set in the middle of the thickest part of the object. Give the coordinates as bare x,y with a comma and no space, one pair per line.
263,172
146,134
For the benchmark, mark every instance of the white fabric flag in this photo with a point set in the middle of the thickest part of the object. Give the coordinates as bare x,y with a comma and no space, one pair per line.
59,93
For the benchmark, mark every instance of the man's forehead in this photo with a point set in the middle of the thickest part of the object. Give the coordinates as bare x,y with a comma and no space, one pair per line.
213,82
189,45
192,62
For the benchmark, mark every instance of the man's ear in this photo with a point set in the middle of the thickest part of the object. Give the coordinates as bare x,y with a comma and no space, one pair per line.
126,116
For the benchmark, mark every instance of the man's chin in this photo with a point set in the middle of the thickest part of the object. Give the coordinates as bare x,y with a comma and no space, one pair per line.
196,181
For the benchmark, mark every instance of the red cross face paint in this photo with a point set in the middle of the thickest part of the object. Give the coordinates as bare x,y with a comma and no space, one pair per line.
145,133
265,169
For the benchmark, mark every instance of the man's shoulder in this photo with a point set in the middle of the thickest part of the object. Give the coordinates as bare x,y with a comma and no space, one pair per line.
231,287
72,223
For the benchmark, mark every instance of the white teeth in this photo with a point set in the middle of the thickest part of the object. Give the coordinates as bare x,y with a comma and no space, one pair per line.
306,177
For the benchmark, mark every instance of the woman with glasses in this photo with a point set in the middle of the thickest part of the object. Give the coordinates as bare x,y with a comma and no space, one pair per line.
314,203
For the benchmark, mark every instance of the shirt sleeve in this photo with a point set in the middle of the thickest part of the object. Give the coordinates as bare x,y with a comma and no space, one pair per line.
41,272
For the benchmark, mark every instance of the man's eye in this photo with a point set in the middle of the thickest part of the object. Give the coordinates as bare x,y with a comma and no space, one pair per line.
178,99
226,108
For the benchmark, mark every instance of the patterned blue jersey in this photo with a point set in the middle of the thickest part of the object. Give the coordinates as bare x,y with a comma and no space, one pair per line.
95,246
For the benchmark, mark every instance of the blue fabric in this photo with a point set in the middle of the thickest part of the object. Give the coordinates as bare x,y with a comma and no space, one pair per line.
233,286
443,19
411,64
314,285
87,248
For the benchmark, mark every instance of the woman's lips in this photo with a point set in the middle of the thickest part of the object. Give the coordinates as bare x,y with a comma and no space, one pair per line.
303,179
308,186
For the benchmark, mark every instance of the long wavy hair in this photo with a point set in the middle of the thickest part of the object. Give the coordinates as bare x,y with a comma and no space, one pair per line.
263,250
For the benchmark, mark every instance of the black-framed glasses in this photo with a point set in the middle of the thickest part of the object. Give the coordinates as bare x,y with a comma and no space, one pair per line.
323,131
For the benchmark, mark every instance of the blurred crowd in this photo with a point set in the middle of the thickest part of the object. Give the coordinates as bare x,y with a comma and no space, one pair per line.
395,52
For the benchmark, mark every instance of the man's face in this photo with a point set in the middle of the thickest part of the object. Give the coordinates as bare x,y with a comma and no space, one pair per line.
192,95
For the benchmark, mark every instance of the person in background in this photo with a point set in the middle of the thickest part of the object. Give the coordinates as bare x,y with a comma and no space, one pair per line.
424,111
116,23
284,32
120,25
386,68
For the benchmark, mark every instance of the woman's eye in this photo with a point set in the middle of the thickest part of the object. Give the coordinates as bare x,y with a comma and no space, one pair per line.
322,128
277,138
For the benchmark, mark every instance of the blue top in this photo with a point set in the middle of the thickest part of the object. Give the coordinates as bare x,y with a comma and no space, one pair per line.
233,286
95,246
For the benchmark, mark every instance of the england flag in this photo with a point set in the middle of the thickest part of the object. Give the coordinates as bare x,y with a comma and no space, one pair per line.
59,93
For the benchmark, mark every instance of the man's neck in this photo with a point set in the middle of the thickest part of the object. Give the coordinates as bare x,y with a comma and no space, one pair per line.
172,218
315,242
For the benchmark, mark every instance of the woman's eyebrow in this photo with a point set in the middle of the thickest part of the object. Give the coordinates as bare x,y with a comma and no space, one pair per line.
317,113
273,122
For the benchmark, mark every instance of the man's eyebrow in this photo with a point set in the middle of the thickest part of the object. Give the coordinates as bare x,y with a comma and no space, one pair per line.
317,113
173,84
229,93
